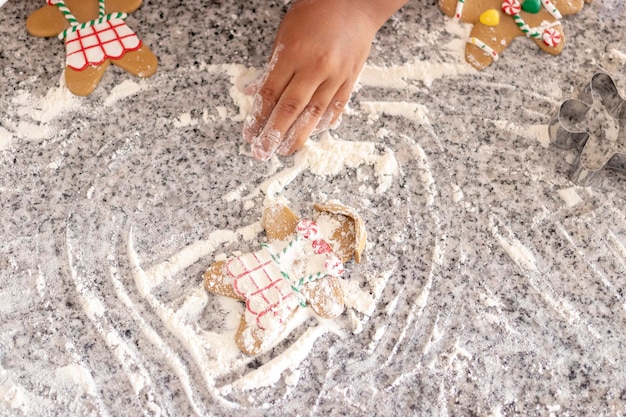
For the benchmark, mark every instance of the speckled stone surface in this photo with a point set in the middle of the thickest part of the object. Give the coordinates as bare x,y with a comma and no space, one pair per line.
497,283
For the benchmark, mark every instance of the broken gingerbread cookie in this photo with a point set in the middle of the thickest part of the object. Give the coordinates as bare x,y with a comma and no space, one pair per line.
95,34
298,267
497,22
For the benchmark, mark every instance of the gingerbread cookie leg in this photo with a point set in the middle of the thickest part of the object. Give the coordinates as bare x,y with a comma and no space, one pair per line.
551,40
83,82
251,339
325,297
142,62
248,338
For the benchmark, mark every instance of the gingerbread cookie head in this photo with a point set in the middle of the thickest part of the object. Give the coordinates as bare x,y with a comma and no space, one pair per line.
95,36
497,22
298,267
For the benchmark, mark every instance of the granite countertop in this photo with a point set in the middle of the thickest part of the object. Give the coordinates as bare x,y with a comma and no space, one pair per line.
492,285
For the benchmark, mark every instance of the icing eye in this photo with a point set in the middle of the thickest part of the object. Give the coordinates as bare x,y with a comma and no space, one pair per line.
531,6
490,18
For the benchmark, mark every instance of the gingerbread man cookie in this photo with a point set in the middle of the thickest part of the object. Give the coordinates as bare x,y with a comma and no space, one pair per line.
497,22
299,266
95,35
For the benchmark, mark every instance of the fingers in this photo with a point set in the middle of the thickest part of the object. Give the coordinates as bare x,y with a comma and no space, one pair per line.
308,124
283,123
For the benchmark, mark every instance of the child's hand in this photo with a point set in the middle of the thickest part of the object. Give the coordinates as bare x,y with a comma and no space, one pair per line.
320,48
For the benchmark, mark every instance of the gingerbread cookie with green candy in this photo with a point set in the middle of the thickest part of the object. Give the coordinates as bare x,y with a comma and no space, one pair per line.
95,35
299,266
497,22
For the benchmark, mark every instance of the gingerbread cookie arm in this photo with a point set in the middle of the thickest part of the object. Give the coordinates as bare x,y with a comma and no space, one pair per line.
486,43
325,297
142,62
279,222
46,21
552,48
571,6
125,6
218,281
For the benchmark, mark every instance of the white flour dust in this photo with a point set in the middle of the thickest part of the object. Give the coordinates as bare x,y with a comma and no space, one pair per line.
223,355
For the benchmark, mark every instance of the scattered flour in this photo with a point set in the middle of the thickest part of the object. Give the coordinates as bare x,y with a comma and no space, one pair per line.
570,196
6,139
77,375
125,89
33,131
411,111
399,76
537,132
314,156
56,102
617,55
519,253
15,397
216,354
185,120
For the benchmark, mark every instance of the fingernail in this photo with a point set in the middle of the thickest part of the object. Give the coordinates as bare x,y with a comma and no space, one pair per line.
264,145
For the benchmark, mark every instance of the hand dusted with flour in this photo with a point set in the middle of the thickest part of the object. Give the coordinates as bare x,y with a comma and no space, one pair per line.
320,48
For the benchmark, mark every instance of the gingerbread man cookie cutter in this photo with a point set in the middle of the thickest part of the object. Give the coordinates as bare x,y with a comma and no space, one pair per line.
595,124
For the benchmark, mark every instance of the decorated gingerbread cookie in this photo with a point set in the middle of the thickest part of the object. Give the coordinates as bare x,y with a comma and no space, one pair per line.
497,22
299,266
95,35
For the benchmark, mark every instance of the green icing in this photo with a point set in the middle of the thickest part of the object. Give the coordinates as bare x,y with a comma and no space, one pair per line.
531,6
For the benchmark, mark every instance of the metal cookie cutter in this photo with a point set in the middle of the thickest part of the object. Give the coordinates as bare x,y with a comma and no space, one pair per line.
596,125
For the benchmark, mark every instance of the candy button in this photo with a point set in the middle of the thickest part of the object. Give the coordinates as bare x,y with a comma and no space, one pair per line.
531,6
490,18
